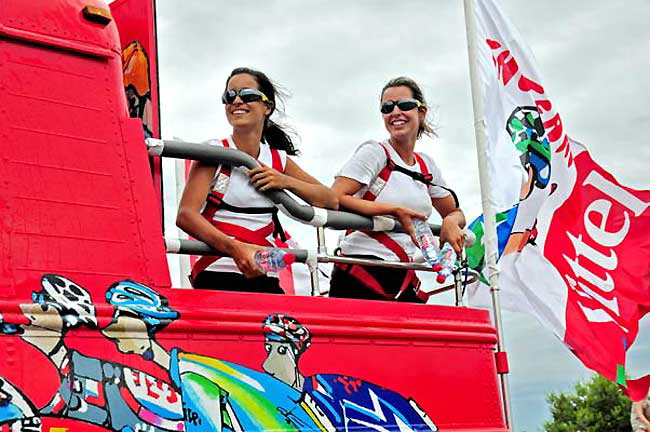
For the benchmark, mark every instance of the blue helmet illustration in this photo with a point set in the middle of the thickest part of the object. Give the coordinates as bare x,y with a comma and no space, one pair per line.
143,302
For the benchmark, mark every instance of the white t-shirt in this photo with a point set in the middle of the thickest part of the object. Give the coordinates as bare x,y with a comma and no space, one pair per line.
241,193
364,166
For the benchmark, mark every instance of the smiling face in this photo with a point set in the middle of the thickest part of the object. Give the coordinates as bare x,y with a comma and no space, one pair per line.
402,125
246,115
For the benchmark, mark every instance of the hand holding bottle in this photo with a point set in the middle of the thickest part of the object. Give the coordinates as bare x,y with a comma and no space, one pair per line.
271,260
427,243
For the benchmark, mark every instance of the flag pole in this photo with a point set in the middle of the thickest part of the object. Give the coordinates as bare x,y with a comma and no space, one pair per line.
490,235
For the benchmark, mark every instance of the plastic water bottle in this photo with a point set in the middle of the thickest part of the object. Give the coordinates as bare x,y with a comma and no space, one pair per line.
447,262
428,244
272,260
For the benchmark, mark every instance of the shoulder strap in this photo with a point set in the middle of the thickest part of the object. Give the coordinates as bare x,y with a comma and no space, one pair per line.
219,186
429,178
378,183
424,169
276,160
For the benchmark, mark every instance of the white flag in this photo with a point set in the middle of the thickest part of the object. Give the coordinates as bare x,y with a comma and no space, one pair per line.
572,241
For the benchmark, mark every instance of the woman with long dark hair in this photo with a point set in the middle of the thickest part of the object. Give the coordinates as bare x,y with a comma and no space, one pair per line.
224,207
390,178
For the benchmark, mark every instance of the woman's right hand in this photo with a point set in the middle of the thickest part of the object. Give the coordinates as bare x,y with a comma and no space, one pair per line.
405,217
244,256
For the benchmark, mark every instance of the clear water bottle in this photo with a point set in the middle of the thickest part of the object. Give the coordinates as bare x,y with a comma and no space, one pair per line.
428,244
272,260
447,262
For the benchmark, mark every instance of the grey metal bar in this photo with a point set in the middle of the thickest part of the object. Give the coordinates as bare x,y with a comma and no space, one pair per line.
195,247
214,155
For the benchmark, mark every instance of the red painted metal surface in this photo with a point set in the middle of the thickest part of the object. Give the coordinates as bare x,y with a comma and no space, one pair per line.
136,21
77,201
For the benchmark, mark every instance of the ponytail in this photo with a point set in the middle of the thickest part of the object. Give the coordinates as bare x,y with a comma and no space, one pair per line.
276,137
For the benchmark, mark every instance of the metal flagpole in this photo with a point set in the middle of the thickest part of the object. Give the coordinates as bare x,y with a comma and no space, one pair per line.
490,235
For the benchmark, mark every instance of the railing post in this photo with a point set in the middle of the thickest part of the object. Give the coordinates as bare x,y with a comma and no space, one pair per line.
312,265
320,240
458,281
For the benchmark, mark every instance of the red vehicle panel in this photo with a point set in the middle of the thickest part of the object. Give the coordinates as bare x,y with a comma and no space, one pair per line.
93,335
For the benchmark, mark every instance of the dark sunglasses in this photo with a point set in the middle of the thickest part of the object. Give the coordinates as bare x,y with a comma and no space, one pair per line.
246,95
403,104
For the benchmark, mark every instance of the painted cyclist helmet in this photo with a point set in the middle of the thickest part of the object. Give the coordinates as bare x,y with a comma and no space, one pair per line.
527,132
73,302
141,301
283,328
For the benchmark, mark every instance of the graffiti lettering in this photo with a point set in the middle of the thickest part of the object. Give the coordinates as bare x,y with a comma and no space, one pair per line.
192,416
151,389
350,385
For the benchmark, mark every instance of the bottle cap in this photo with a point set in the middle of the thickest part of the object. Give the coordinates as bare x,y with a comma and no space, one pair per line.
441,278
437,267
289,258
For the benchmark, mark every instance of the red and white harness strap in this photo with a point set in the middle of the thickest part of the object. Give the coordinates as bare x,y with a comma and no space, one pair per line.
215,201
374,189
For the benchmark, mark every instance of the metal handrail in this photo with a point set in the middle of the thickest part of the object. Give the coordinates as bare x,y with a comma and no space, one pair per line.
318,217
196,247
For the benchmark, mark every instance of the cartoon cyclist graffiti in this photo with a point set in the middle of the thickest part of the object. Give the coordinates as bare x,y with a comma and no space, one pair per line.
516,227
207,394
349,403
286,340
93,390
16,411
139,313
221,395
216,395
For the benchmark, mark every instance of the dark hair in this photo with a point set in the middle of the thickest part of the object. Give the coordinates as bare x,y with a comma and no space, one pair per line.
275,135
425,127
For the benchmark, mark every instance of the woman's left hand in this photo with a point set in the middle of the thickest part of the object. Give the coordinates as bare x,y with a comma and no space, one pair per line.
453,234
264,177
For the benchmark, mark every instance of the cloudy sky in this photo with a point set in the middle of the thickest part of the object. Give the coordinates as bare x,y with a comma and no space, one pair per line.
334,56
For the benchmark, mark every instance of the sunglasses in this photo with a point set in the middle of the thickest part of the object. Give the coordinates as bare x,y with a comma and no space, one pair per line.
403,104
246,95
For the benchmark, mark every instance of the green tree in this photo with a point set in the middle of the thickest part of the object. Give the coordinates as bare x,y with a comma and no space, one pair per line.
595,406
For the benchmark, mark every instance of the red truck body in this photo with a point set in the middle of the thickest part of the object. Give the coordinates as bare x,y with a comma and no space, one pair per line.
94,337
